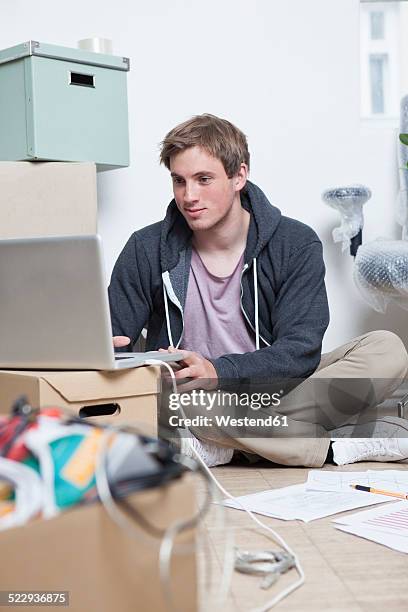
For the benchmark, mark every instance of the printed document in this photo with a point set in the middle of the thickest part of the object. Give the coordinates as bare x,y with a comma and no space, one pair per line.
387,525
388,480
297,502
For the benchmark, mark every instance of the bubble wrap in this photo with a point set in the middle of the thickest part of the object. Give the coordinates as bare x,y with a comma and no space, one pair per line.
402,201
381,273
349,202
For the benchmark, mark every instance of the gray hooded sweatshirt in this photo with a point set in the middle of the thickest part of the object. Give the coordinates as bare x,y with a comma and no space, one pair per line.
283,297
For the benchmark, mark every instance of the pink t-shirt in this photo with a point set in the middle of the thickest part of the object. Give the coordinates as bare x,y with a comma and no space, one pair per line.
214,324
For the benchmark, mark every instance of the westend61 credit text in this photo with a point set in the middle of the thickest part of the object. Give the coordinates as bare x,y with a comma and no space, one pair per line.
215,401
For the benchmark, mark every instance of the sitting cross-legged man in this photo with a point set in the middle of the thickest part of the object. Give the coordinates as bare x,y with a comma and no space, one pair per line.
238,288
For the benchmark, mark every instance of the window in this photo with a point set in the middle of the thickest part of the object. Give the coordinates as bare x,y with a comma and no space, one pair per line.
376,25
383,58
378,69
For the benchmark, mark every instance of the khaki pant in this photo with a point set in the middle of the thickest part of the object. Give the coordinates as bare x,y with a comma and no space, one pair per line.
378,363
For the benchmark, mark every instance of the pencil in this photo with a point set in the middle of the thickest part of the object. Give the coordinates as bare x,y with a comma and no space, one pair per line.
379,491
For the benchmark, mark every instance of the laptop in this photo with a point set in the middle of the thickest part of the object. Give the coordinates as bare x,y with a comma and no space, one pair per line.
54,309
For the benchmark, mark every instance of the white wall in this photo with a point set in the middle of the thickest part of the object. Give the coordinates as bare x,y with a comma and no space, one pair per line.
286,72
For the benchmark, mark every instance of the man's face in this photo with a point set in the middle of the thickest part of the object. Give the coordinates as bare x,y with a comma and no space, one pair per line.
203,192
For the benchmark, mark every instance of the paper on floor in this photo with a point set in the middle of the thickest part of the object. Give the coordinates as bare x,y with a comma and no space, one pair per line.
391,519
390,480
386,539
387,525
296,502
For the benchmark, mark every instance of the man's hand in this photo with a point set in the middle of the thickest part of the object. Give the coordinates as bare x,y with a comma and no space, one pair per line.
200,371
119,341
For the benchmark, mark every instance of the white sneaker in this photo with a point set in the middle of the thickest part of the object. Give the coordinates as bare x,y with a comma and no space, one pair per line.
210,453
351,450
385,439
383,427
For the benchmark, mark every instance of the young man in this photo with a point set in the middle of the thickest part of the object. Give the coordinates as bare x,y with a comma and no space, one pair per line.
240,289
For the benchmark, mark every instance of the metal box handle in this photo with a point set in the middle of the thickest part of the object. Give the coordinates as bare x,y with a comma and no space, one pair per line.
81,79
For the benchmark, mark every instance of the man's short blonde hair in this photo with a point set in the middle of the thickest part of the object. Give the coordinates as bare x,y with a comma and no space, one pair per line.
218,137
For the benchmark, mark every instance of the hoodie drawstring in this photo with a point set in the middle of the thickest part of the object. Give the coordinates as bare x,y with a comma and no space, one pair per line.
166,308
255,274
256,305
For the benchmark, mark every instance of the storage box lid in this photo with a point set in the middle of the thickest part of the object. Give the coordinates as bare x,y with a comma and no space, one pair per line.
33,47
90,385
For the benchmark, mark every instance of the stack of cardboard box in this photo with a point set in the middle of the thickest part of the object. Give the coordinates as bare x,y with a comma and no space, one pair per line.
55,106
69,106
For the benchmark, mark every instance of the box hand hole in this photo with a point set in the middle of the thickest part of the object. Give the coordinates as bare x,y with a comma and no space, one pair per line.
99,410
83,80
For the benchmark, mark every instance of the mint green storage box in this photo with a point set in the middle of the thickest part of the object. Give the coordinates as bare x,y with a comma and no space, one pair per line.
63,104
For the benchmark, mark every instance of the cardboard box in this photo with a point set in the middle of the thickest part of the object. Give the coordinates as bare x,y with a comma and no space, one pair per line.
47,199
125,396
103,567
63,104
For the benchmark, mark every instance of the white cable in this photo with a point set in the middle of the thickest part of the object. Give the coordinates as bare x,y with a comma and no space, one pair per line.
277,537
103,488
228,566
256,306
128,525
